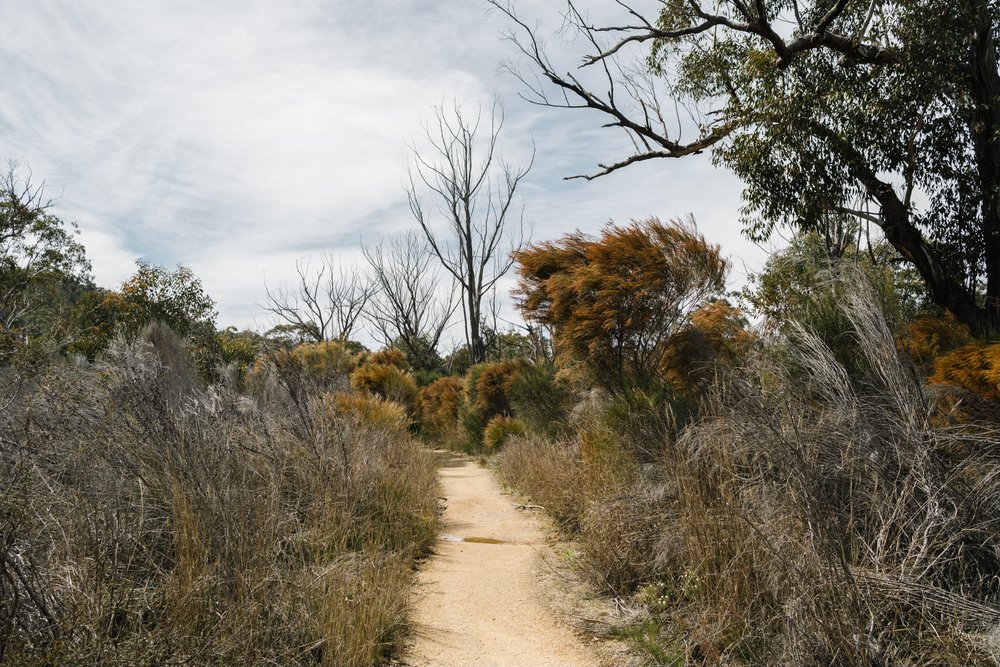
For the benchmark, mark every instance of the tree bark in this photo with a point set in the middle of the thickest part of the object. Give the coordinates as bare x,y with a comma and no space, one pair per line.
985,129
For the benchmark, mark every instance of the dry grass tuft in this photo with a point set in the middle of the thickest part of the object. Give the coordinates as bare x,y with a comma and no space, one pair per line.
147,520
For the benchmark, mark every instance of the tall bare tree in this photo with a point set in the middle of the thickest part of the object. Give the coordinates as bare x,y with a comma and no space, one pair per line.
324,304
473,192
408,306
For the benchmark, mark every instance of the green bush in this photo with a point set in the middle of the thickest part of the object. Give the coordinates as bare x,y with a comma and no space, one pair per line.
540,400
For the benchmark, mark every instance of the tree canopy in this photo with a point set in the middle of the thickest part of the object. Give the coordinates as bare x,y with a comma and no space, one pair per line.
884,110
40,257
615,300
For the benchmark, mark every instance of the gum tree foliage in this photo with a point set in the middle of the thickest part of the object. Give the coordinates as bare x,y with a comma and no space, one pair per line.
615,301
174,297
39,256
884,110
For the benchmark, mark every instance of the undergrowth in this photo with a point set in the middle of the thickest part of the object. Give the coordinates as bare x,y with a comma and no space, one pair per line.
146,519
809,514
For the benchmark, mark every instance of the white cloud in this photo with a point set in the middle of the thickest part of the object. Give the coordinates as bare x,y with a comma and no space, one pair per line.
235,136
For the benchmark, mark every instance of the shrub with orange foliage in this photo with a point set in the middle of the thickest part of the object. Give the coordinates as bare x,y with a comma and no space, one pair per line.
490,385
387,381
392,356
717,332
614,301
973,368
927,338
440,407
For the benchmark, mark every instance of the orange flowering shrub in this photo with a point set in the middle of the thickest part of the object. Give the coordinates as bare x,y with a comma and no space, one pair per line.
440,407
392,356
616,299
926,338
974,368
717,332
490,386
387,381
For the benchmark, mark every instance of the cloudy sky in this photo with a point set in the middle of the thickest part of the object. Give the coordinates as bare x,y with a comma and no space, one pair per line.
235,136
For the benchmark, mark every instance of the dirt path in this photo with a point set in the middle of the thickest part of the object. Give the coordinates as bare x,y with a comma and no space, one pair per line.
481,599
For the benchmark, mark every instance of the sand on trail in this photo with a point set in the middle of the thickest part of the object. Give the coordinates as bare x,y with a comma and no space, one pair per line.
483,603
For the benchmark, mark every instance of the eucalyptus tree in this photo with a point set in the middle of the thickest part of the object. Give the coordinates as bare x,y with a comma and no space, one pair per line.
38,254
887,111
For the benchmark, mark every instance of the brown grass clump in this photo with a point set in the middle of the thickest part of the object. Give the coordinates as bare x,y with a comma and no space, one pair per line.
147,520
368,411
548,472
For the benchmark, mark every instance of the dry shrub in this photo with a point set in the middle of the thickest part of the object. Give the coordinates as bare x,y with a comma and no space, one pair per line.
144,522
368,411
822,525
441,404
323,363
499,431
549,472
387,381
329,358
392,356
617,521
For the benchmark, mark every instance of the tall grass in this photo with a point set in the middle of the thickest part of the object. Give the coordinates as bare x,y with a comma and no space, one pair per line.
810,515
145,519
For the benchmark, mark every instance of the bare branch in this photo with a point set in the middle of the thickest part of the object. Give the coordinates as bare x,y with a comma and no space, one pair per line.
325,304
473,191
408,305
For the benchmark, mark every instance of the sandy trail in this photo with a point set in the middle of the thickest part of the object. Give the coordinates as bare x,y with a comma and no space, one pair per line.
483,602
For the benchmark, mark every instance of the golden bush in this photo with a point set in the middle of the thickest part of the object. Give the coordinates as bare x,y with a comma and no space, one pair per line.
368,411
392,356
927,338
974,368
387,381
440,406
499,431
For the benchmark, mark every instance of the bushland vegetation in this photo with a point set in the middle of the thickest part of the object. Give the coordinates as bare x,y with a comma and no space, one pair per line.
817,489
803,473
174,494
150,518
